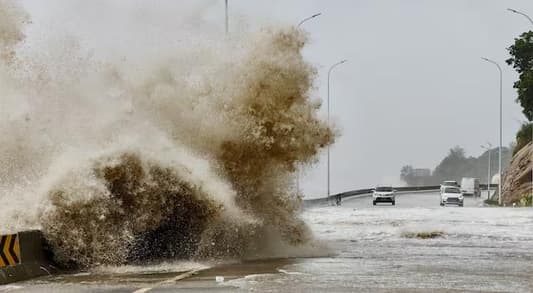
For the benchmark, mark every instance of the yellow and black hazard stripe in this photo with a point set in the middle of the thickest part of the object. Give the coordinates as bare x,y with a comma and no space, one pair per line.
9,250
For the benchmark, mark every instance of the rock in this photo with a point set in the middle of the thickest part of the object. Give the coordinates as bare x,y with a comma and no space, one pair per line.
517,177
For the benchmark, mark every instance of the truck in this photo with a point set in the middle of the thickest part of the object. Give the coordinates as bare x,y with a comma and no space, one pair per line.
470,186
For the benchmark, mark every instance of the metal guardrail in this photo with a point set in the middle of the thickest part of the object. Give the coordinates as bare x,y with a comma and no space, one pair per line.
484,186
368,191
361,192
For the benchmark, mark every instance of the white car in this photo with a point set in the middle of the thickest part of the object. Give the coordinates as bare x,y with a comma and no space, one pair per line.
451,195
384,194
449,183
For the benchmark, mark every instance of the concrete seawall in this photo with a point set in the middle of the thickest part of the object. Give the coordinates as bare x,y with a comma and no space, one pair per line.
22,257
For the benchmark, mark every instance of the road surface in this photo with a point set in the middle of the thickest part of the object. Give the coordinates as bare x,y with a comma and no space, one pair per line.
365,249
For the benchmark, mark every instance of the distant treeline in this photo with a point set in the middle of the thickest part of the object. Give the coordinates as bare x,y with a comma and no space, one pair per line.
455,166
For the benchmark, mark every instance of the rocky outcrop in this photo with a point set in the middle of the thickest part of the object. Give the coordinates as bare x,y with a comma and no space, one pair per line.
517,177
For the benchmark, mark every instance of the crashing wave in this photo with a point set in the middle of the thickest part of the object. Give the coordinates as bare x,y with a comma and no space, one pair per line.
181,157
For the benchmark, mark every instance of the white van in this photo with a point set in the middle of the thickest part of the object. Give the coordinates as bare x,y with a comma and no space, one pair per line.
470,186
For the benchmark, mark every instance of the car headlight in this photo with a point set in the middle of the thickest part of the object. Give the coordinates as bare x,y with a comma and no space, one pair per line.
461,197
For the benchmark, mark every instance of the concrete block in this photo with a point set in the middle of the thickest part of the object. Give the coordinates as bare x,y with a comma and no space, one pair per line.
22,257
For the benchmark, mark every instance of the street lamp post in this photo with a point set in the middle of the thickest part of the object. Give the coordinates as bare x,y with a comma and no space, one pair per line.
309,18
329,74
521,13
500,146
298,171
226,19
530,20
488,147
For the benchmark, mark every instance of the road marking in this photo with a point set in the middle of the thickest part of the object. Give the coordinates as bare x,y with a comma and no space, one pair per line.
9,250
172,280
143,290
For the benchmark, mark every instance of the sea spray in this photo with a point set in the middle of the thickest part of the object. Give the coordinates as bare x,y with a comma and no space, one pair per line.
186,155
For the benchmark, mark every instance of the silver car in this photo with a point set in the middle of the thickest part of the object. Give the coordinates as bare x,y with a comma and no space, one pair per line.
384,194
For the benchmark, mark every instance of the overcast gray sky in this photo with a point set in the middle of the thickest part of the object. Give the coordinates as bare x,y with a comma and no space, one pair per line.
414,85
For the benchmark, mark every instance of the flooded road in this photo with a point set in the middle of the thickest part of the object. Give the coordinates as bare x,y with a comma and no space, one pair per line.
370,249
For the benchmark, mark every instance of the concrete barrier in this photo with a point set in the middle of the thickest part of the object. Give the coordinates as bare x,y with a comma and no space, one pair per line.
22,257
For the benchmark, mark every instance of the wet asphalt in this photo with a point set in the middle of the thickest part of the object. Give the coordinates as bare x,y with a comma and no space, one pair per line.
359,248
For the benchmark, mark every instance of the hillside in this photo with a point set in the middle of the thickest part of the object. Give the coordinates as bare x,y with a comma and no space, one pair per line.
516,186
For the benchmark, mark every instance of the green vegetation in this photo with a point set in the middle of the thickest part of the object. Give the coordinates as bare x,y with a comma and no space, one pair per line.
457,165
522,61
491,202
525,201
424,235
523,137
409,176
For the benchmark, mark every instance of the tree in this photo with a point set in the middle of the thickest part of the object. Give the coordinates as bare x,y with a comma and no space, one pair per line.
457,165
453,166
407,174
523,137
413,177
522,62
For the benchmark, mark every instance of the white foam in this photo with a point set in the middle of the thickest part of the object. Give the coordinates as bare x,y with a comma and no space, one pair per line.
164,267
